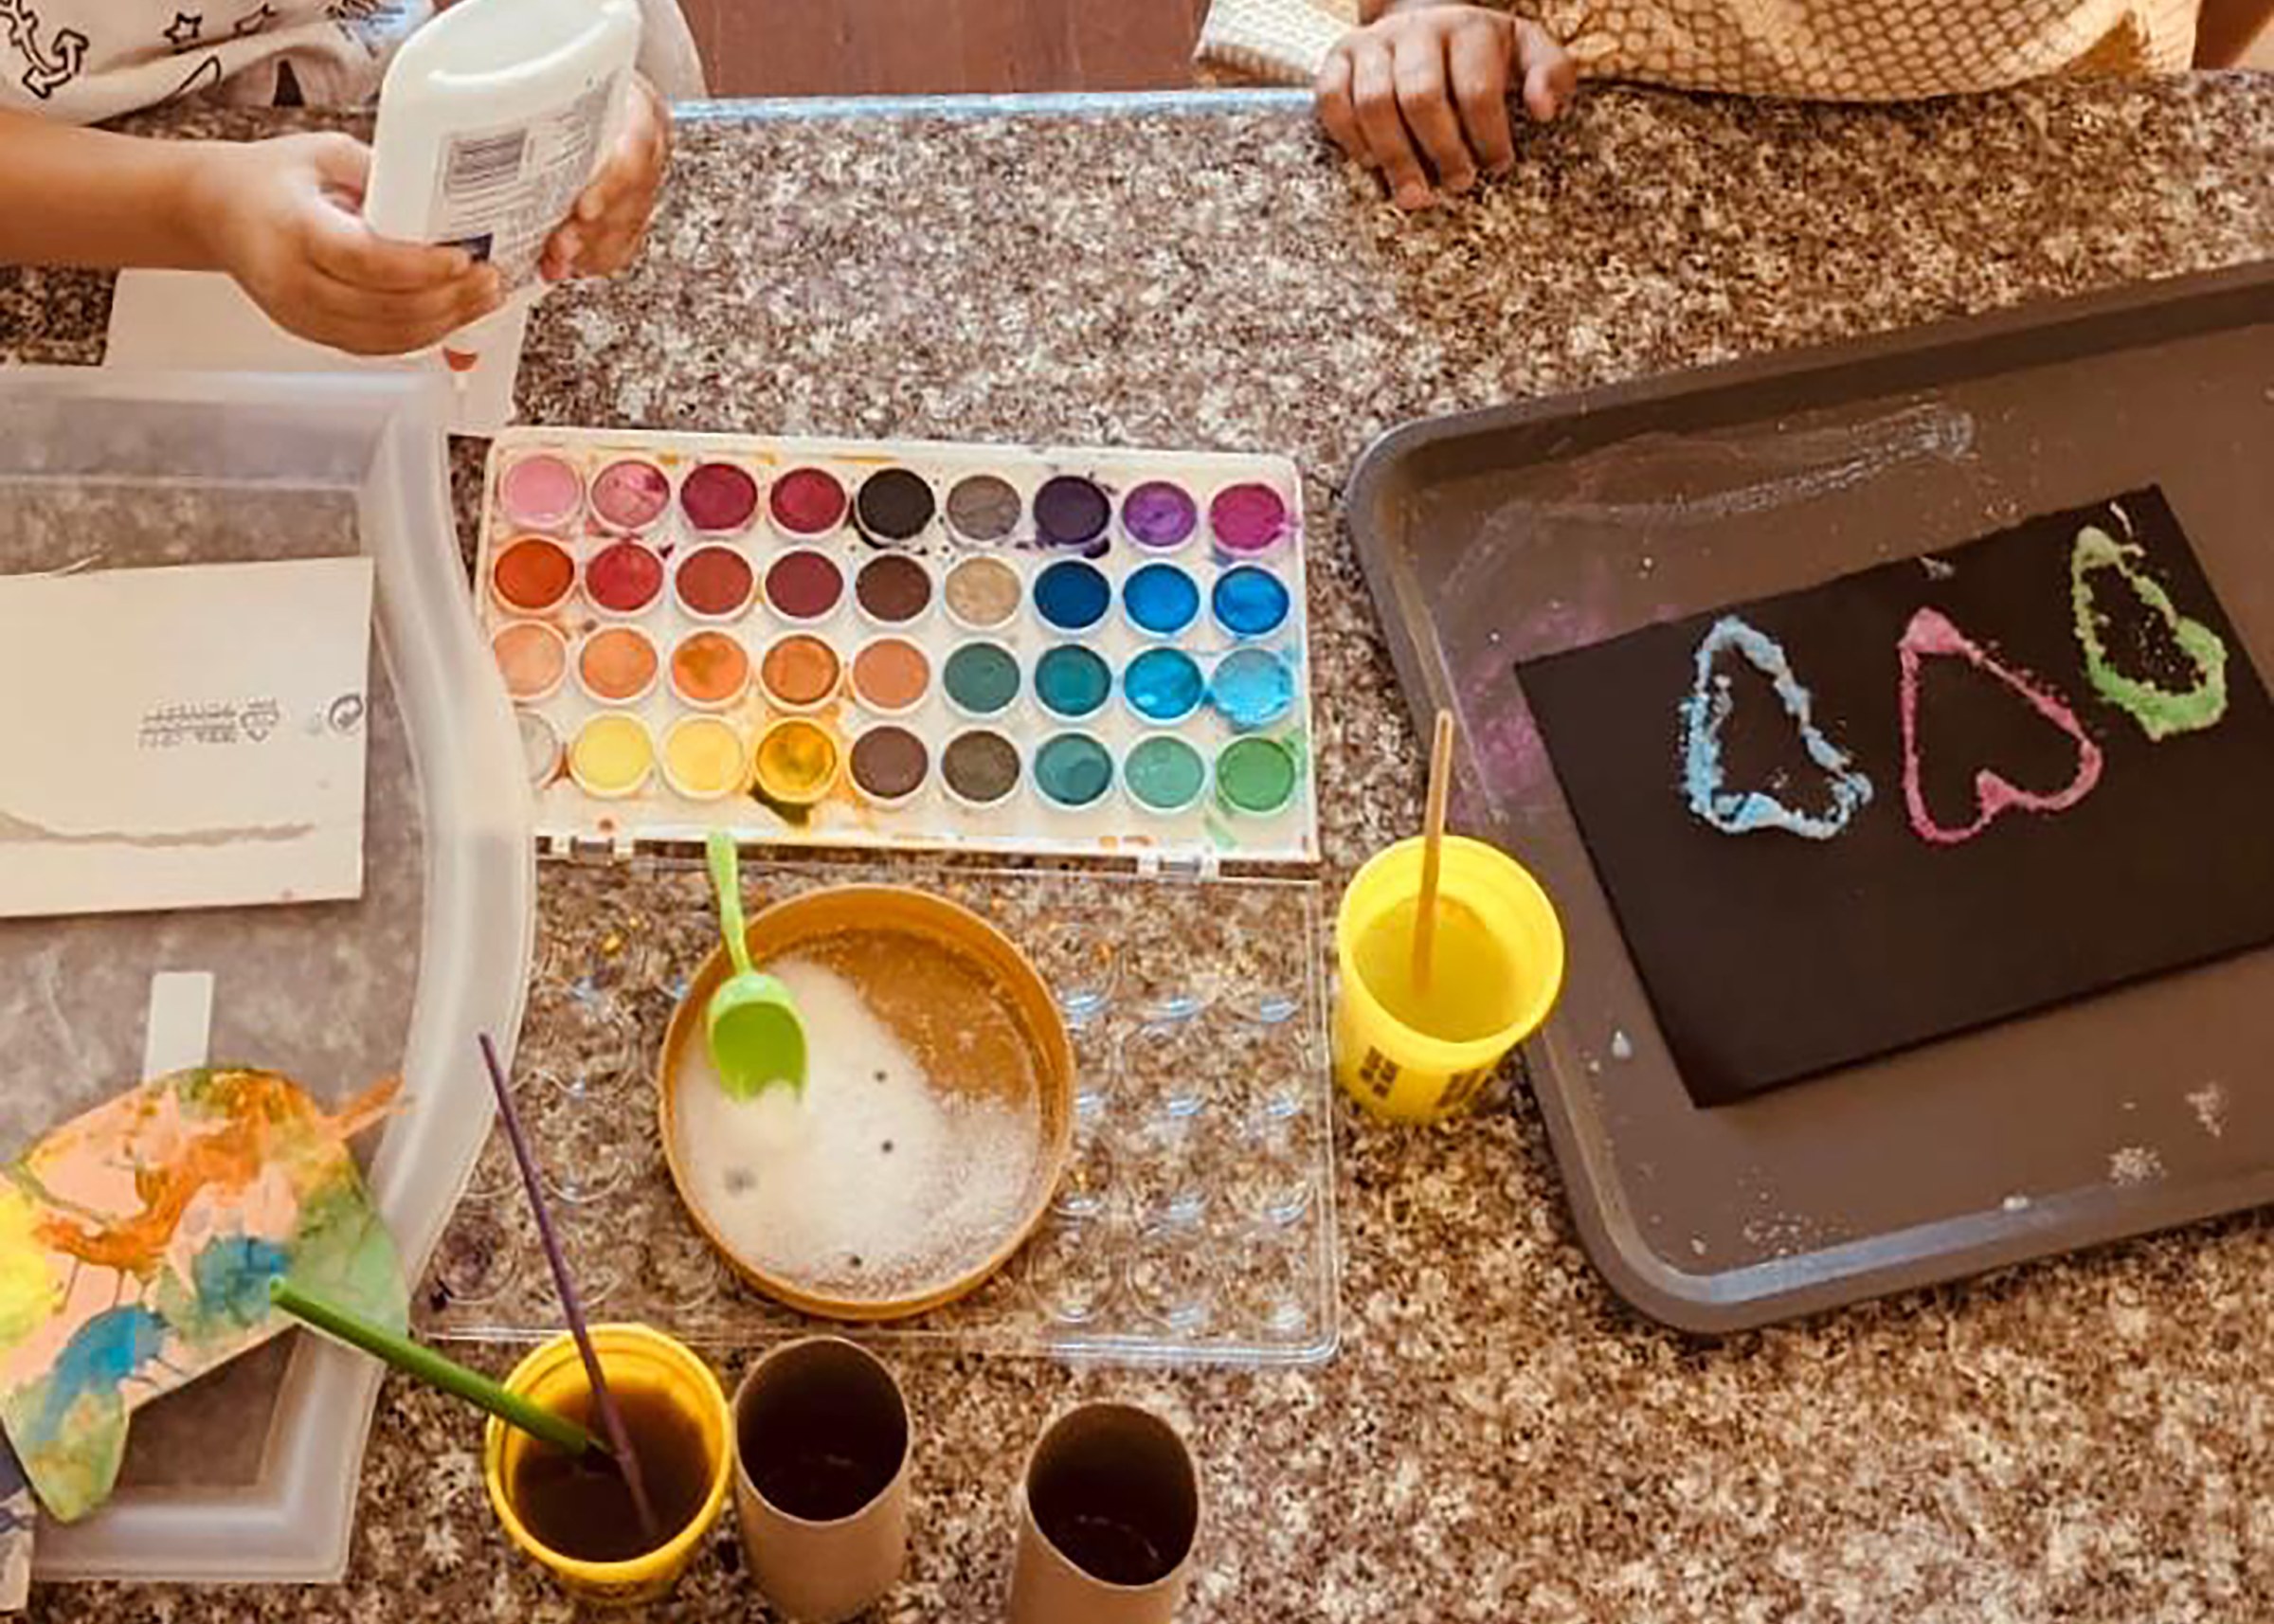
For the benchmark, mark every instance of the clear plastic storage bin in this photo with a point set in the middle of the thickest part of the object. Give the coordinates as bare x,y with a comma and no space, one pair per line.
252,1473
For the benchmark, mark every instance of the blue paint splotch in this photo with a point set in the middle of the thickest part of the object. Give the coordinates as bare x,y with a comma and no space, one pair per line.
100,1358
1705,712
232,1273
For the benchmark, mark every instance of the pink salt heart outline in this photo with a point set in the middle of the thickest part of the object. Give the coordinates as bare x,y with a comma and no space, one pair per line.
1931,635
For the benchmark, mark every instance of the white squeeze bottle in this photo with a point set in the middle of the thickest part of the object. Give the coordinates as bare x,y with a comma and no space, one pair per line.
491,119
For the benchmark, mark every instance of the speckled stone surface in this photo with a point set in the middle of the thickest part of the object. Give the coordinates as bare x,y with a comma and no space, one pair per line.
2082,1440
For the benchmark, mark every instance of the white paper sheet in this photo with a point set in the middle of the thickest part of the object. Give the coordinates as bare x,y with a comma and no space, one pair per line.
183,738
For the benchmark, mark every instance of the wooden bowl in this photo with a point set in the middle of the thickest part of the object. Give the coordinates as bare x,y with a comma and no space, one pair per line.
813,916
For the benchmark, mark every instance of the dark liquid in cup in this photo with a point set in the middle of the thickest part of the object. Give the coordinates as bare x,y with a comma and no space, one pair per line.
583,1509
1106,1547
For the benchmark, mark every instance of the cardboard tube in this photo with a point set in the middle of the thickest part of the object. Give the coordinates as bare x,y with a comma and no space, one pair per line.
820,1478
1108,1515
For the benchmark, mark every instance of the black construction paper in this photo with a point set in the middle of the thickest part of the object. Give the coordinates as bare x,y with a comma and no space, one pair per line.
1769,957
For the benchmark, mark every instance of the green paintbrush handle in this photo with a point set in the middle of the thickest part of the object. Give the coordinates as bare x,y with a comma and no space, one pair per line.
432,1368
726,880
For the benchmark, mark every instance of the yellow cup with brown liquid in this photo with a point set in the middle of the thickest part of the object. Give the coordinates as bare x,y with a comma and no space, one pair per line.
574,1517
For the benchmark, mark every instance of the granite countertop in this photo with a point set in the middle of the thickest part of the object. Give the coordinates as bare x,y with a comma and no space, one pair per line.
1497,1439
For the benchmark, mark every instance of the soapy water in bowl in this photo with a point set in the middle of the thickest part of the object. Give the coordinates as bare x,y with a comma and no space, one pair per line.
914,1150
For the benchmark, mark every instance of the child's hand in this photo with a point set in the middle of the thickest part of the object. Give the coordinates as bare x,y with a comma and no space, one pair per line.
282,218
602,235
1437,78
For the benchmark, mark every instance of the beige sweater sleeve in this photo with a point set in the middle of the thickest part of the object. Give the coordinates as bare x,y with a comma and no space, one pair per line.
1837,50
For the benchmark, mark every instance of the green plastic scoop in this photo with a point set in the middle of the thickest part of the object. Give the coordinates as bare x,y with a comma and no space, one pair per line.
757,1040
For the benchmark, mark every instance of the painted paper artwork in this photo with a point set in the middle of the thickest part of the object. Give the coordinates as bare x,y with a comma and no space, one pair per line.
2074,765
137,1245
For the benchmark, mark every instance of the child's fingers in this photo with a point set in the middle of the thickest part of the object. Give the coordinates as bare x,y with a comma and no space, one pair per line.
1550,75
1479,60
1331,95
342,246
434,310
340,161
611,251
640,156
362,323
1374,88
559,260
1425,101
625,186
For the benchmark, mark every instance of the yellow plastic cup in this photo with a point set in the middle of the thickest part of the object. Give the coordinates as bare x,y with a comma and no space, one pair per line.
634,1356
1396,1071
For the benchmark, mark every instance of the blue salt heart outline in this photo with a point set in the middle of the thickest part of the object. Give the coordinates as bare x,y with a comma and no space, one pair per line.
1705,710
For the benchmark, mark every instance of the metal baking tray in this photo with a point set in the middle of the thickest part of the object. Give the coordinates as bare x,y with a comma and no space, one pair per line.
1496,537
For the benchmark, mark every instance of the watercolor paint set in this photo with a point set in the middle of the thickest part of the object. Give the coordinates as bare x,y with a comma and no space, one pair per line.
1091,653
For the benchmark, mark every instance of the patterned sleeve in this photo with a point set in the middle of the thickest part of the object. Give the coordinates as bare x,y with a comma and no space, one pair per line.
1866,50
1828,50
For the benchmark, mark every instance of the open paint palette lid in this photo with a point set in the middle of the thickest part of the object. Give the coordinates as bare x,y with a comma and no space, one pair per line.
1092,654
252,1473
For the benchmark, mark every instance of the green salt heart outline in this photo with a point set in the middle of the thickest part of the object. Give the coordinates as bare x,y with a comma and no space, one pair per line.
2159,711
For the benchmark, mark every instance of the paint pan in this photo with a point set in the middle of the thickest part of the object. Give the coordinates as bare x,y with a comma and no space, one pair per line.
710,671
1248,519
624,578
889,766
1160,515
1160,601
895,507
1073,681
719,498
532,575
1248,603
540,748
1073,595
1071,511
1252,688
1256,777
980,680
807,504
630,496
612,757
1163,686
704,759
891,675
541,491
532,658
983,594
806,586
1164,775
617,665
894,590
1074,770
984,510
797,762
714,584
800,672
980,768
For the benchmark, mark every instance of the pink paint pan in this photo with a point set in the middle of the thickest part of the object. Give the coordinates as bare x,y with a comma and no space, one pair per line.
541,491
631,495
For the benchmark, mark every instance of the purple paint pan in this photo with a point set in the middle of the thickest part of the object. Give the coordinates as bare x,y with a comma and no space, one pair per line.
1160,515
